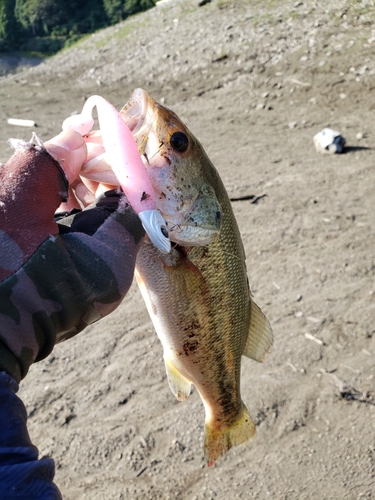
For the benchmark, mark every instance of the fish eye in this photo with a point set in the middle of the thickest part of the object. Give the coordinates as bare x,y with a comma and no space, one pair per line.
179,142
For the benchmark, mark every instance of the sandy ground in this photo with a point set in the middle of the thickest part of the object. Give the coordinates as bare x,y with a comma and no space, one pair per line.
254,81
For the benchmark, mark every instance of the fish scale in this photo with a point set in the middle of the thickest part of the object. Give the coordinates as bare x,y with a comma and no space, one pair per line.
198,295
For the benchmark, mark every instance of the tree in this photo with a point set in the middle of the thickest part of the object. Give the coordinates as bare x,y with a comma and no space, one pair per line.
117,10
40,16
45,25
46,17
8,23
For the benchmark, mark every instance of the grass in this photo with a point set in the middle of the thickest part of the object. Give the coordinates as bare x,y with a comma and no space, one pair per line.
123,31
33,53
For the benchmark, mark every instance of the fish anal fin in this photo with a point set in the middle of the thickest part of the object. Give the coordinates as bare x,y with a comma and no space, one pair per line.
179,385
260,336
218,440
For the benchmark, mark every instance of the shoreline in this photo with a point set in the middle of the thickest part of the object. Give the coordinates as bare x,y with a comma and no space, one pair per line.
13,62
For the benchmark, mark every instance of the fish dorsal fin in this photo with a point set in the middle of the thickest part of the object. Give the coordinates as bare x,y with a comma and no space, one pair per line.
260,337
180,385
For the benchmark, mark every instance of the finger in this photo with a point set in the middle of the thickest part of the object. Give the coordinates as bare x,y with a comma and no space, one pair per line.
91,185
102,188
69,149
93,150
85,196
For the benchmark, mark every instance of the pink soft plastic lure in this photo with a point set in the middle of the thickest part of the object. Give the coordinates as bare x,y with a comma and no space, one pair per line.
126,163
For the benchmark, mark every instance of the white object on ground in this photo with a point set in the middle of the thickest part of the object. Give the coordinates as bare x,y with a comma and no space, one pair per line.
21,123
329,141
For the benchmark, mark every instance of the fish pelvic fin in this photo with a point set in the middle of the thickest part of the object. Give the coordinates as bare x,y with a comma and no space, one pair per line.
260,336
179,385
218,441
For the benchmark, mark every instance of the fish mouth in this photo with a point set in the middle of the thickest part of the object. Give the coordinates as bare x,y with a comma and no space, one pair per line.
135,115
197,225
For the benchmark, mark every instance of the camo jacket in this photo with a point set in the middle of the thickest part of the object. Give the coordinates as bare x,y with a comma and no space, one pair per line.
57,274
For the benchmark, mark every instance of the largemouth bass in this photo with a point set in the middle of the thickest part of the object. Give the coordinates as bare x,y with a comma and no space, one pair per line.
198,295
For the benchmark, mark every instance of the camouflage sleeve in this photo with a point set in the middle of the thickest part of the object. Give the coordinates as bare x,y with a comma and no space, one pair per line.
57,277
22,474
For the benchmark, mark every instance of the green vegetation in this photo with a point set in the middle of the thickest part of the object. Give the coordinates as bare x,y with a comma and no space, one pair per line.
46,26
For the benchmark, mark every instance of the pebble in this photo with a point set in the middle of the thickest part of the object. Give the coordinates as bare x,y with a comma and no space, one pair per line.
292,125
359,135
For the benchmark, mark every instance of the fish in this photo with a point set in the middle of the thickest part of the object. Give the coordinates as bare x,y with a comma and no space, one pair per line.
198,295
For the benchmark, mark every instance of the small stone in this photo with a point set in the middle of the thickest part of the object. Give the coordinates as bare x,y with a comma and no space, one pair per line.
292,125
359,135
329,141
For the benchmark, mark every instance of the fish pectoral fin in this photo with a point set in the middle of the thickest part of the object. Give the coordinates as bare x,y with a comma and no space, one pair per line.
180,385
260,336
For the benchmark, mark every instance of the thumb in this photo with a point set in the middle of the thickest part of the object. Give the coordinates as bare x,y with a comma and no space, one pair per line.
69,149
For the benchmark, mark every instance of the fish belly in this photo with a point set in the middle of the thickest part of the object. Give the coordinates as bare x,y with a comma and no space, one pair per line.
202,327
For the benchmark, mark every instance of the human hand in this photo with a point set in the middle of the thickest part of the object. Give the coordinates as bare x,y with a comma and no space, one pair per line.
57,277
75,154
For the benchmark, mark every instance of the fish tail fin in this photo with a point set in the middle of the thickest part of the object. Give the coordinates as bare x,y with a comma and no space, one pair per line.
219,440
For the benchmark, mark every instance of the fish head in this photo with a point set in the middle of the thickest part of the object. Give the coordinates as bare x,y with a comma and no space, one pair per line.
177,166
